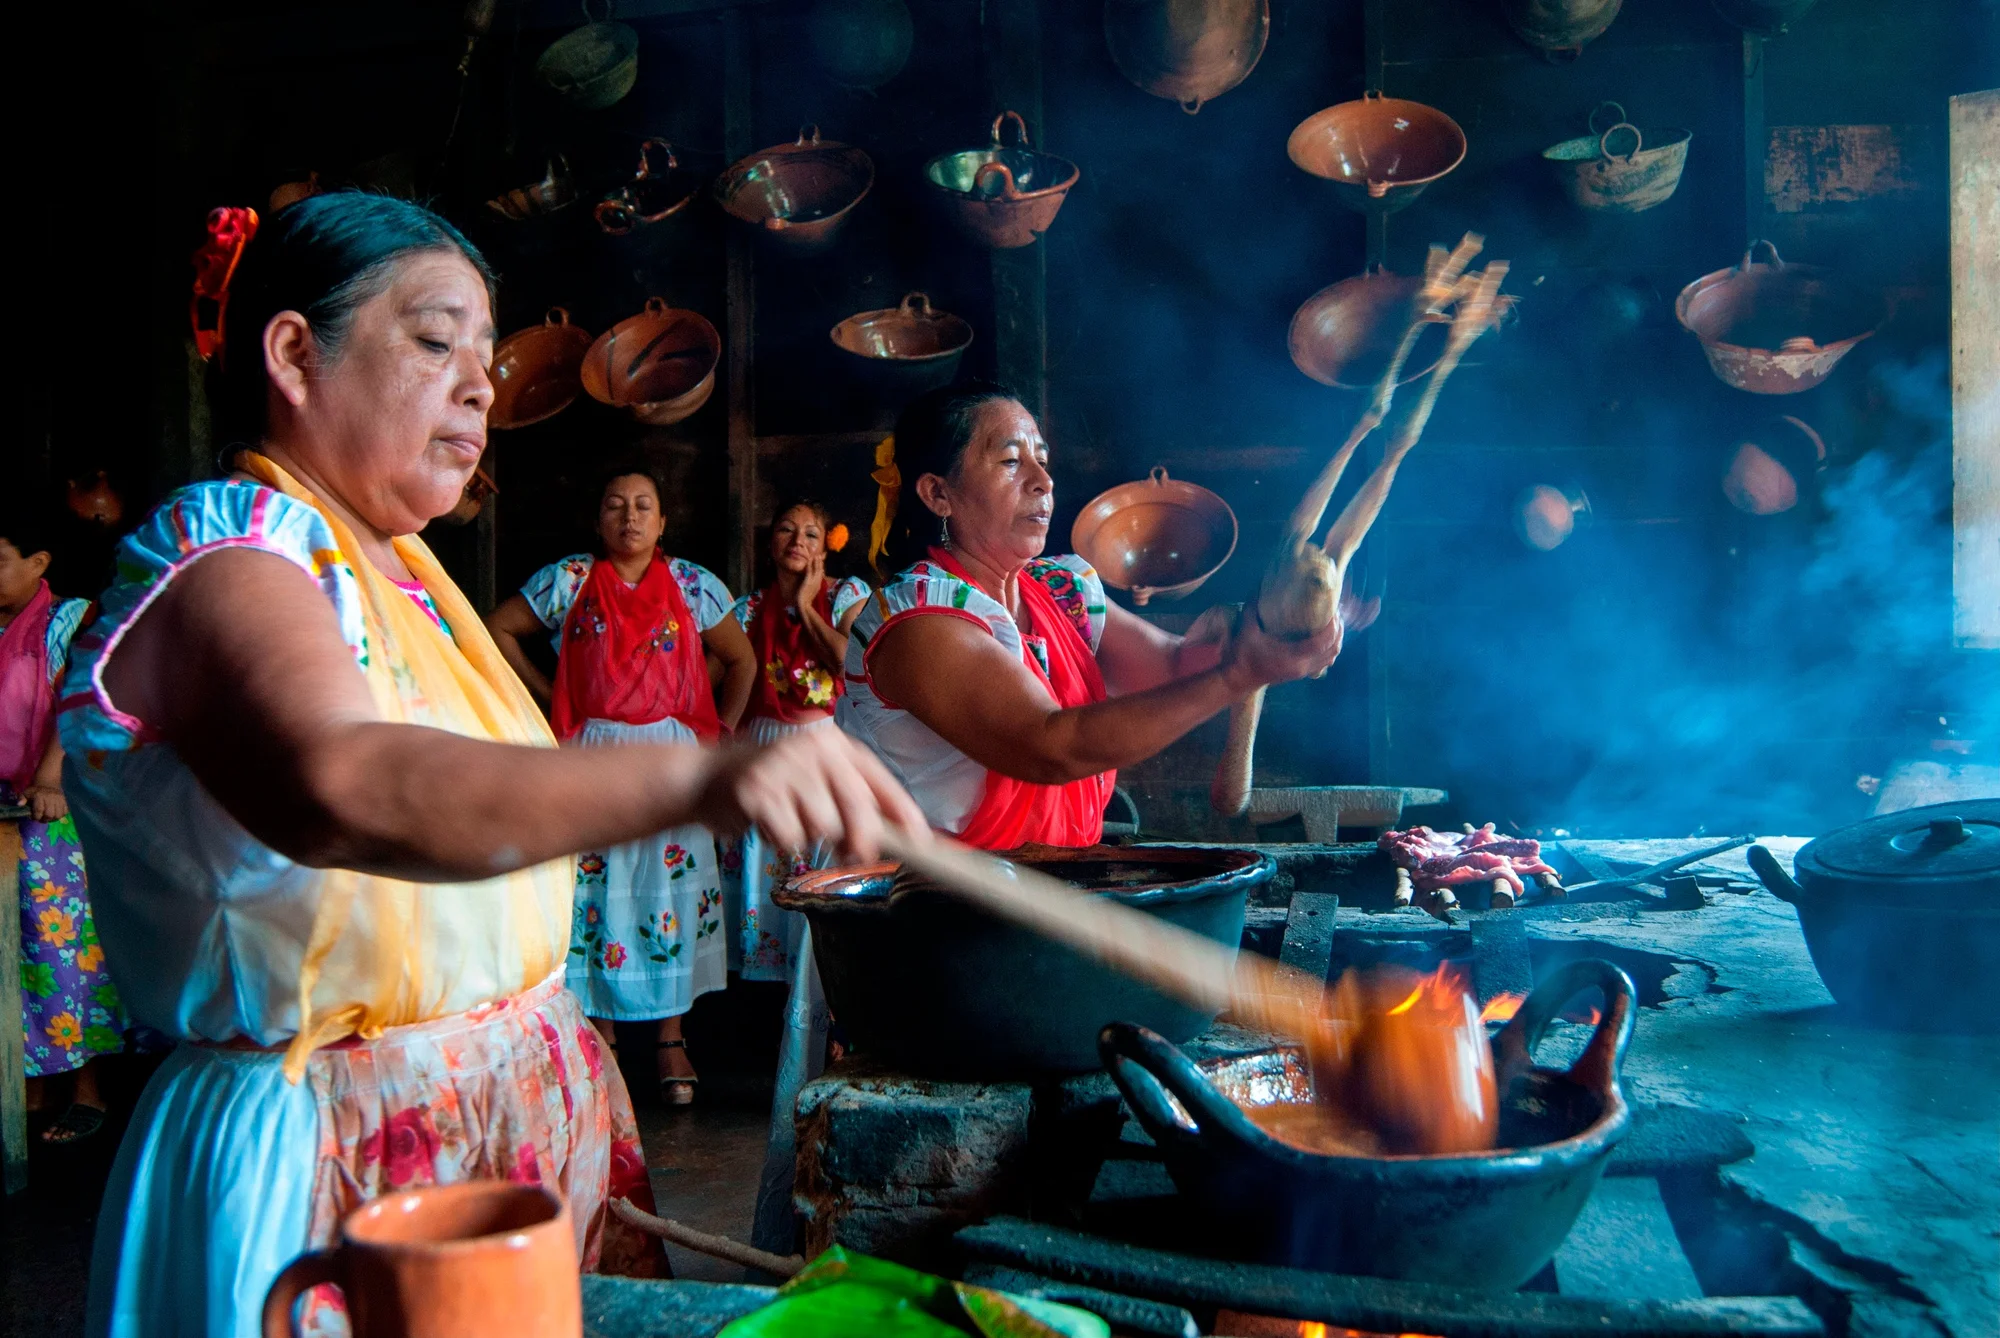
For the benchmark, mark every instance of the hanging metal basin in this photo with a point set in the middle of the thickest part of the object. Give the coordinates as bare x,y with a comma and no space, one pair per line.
1003,196
910,346
1378,152
1159,538
1559,29
537,372
1621,169
1487,1220
797,194
1187,51
1776,329
1345,334
594,66
659,366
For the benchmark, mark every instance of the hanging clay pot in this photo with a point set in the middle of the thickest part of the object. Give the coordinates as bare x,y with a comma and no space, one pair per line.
1188,51
861,44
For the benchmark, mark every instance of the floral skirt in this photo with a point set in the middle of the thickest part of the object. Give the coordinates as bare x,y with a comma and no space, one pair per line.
229,1171
767,935
70,1013
647,939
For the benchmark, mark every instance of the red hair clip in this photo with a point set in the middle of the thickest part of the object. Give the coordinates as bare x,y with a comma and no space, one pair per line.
230,229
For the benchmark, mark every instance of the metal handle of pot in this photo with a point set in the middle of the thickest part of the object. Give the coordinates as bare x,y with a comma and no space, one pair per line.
916,304
1772,875
646,146
1594,112
1008,190
1604,141
1597,1066
616,214
1020,128
1749,254
1154,1075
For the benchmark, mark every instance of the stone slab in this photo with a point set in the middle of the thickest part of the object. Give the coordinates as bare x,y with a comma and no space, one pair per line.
1623,1247
643,1308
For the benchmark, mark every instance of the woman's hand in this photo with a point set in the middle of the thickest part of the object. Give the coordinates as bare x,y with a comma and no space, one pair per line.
1256,659
812,582
46,802
815,785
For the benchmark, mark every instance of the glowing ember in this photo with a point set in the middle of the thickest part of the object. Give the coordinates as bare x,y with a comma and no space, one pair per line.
1502,1007
1237,1324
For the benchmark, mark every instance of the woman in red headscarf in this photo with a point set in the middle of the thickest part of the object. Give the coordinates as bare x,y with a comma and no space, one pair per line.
647,937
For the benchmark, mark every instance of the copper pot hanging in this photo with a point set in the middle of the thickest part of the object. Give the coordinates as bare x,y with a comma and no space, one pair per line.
797,194
1345,334
1188,51
1378,152
537,371
1159,538
1775,328
1559,29
1003,196
912,345
659,366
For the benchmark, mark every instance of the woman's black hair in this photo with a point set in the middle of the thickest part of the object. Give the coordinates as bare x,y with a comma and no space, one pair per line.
322,257
812,504
28,527
931,437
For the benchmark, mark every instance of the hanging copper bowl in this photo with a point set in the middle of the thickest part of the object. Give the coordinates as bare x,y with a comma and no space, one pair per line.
1003,196
1620,169
1345,334
556,190
1559,28
911,343
659,366
1188,51
1776,329
797,194
1378,152
660,188
537,372
1158,538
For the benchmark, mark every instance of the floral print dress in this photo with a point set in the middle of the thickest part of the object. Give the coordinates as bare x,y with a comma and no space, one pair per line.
648,935
70,1012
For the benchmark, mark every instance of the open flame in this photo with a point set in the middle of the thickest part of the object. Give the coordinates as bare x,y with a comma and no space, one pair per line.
1502,1007
1236,1324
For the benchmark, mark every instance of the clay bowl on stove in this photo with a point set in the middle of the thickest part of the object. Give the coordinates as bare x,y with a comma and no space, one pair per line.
1378,152
797,194
1159,538
1345,334
1486,1220
910,347
927,983
537,372
659,366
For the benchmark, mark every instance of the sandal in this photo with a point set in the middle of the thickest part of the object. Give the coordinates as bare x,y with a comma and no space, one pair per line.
677,1091
77,1123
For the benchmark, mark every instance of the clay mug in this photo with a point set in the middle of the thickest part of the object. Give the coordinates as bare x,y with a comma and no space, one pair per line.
481,1258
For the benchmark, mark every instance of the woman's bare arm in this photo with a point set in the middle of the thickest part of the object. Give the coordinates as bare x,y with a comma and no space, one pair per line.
240,666
513,619
983,701
1135,655
731,645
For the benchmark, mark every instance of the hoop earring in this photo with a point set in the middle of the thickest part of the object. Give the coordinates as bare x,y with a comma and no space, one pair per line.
944,531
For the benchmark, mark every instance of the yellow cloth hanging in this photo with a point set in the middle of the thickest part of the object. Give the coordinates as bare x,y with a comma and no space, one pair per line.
385,951
888,481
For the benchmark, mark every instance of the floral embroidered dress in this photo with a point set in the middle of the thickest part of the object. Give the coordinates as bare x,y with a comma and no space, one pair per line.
70,1012
1065,600
647,936
342,1034
767,936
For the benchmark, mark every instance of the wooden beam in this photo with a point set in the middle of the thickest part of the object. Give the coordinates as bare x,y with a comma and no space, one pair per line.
1754,136
740,336
1012,31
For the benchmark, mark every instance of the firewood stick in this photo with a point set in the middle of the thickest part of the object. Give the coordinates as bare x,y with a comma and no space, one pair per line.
1550,884
1503,895
719,1247
1405,889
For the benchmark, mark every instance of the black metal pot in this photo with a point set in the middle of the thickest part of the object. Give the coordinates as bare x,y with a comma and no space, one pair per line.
934,986
1486,1220
1902,914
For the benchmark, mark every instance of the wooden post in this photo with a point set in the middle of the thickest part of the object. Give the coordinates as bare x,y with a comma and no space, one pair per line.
1754,135
13,1056
1013,39
740,338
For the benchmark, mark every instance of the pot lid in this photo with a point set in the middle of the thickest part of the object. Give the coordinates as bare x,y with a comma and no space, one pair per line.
1940,841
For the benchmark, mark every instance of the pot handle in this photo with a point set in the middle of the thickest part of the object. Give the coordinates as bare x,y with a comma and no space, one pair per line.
1599,108
1008,190
1597,1066
1777,261
646,147
916,304
1168,1094
1020,129
1604,141
1371,95
807,140
616,214
312,1269
657,306
1158,474
557,316
1190,105
1773,876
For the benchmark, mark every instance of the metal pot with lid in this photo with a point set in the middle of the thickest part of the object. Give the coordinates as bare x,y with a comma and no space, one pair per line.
1902,913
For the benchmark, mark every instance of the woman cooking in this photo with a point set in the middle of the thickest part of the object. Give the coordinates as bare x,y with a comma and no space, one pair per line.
798,629
648,936
328,831
997,683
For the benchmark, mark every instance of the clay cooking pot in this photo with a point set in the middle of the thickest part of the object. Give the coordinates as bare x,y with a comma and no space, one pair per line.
1159,538
489,1256
659,365
537,371
1345,334
1776,329
797,194
1188,51
1378,152
1003,196
910,341
1559,28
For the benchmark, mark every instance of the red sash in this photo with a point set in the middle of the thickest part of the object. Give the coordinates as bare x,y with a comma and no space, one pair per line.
632,654
1013,812
26,715
792,685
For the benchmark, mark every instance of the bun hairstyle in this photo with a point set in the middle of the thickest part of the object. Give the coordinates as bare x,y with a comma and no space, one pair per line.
321,257
931,437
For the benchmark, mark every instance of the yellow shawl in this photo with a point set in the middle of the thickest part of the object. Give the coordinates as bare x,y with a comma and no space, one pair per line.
399,945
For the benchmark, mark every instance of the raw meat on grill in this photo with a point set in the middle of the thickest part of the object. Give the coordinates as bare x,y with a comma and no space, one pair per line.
1448,859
